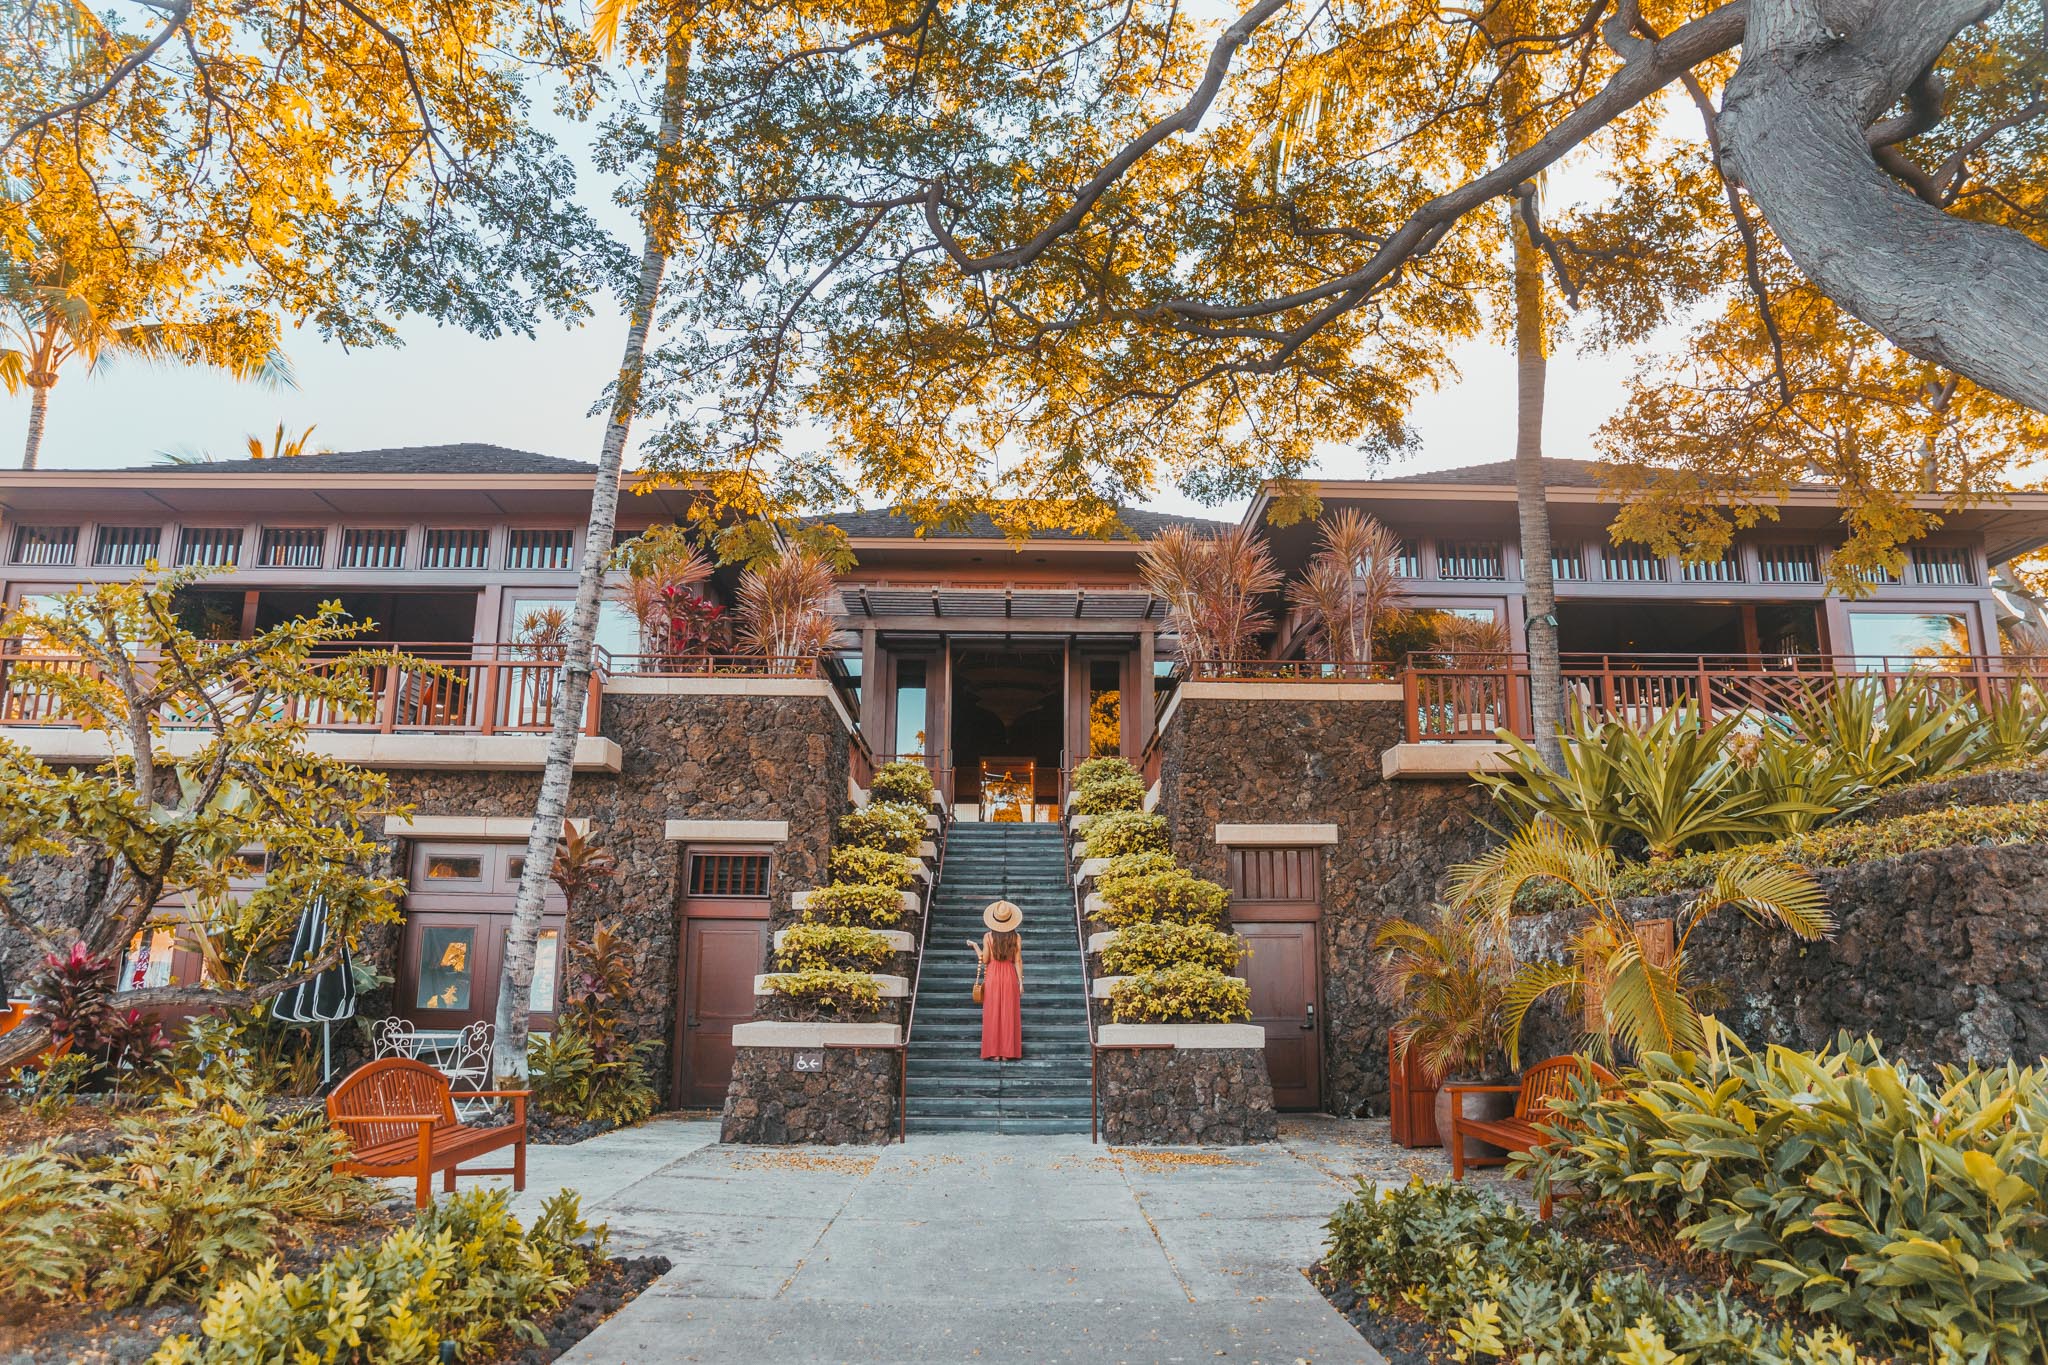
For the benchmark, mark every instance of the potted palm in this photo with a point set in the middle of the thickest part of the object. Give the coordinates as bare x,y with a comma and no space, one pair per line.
1448,979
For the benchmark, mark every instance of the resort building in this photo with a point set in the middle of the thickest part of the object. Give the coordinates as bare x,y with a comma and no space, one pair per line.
1325,799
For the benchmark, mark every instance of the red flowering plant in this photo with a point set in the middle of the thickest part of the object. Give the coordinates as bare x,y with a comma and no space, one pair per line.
74,999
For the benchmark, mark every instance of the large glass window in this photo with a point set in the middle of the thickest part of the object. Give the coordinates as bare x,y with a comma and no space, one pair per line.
446,966
538,620
1894,638
910,706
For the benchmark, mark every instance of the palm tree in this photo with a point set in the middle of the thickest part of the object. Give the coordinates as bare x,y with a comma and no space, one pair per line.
53,310
1447,980
1634,1002
279,447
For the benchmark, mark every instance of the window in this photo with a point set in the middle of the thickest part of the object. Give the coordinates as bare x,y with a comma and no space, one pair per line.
447,964
126,547
1878,574
547,965
1105,707
1285,875
728,874
292,547
1787,564
1893,639
1726,569
910,699
1568,563
618,634
1468,559
1943,566
46,544
147,966
210,546
380,547
1632,564
457,548
1407,560
539,549
454,867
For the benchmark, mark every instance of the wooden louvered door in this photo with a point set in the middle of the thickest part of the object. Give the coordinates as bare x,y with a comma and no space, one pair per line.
725,942
1276,906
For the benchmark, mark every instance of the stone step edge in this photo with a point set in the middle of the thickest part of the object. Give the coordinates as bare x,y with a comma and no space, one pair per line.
900,940
779,1033
1187,1037
892,987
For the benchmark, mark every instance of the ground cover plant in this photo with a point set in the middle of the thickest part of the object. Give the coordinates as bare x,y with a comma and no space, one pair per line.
1143,947
827,992
1485,1281
1909,1209
1106,785
870,867
1143,893
854,904
1180,993
812,946
889,826
904,781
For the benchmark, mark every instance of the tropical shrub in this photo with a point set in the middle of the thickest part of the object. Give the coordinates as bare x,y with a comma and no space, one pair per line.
1124,831
42,1255
827,992
73,996
904,781
1169,893
1144,947
1642,1005
1908,1209
1447,979
1184,993
1108,795
1213,585
463,1272
867,907
822,947
613,1086
886,825
870,867
1094,771
1503,1286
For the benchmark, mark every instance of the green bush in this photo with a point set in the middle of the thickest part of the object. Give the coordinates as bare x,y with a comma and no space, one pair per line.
1125,831
1503,1286
1109,795
866,907
825,993
463,1272
886,825
569,1079
599,1070
42,1255
904,780
825,947
1911,1211
1180,994
1093,772
1170,893
1143,947
870,867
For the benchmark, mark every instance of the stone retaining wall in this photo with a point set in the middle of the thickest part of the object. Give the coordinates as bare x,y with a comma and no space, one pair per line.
1277,760
1185,1097
852,1100
1942,955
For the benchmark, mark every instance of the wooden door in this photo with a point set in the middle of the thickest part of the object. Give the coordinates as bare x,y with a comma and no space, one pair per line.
1285,986
720,960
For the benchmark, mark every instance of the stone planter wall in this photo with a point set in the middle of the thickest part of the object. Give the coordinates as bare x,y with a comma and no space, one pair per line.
1186,1097
1942,955
852,1100
1275,759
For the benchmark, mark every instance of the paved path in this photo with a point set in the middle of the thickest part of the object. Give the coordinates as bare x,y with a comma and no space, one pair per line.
971,1247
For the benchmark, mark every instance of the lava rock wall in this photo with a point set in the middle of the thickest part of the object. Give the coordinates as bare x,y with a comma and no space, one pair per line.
852,1099
1185,1097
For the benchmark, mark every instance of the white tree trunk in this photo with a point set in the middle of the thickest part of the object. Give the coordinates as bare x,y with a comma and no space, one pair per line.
1532,497
1966,295
572,683
38,409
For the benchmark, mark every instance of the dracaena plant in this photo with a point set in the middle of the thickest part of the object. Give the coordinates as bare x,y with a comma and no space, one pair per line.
1212,586
1641,1004
1351,583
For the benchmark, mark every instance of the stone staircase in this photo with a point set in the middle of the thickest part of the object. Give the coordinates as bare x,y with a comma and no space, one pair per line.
950,1088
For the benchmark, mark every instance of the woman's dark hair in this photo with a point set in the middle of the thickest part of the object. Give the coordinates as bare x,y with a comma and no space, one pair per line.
1002,945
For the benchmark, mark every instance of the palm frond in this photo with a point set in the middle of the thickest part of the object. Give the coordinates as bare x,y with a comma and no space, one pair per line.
1534,981
1645,1006
1769,891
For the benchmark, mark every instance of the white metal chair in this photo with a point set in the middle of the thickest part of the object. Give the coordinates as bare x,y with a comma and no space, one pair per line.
392,1036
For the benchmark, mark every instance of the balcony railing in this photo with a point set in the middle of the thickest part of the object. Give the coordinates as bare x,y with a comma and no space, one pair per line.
1471,696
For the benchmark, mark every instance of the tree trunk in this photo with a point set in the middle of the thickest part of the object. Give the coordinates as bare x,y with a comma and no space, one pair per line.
1532,497
1963,294
38,409
572,684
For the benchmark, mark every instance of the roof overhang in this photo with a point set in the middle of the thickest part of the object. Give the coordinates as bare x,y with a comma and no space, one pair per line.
187,493
1038,606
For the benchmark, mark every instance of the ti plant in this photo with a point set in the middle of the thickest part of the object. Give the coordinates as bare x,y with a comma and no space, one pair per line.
1643,1005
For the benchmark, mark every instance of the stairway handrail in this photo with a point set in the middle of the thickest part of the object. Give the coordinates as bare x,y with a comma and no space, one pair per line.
924,933
1081,942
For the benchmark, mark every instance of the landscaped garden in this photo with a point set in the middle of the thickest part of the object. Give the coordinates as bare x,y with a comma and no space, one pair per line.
1775,1197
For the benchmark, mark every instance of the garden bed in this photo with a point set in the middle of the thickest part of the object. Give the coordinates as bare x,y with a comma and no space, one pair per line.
611,1287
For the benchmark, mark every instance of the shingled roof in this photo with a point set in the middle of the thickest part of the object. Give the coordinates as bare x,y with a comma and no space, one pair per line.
1501,473
466,457
888,523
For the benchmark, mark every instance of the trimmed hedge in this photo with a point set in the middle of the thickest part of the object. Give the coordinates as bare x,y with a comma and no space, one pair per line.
825,947
1109,795
887,825
849,903
1106,768
1123,832
903,781
1183,993
870,867
827,991
1172,893
1145,947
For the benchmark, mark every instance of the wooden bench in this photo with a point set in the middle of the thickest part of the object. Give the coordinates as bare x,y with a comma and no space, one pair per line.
400,1120
1542,1088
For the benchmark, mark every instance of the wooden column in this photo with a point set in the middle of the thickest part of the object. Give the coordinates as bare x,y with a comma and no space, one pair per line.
874,690
1140,706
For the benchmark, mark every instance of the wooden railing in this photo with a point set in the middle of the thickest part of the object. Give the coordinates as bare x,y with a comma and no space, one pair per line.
1470,697
1283,670
707,665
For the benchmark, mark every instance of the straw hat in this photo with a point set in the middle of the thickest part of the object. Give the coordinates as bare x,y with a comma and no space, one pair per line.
1002,917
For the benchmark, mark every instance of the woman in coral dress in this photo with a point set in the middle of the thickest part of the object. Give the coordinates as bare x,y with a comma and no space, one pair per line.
1002,996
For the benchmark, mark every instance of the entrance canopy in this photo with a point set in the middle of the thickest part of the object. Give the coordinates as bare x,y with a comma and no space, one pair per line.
865,602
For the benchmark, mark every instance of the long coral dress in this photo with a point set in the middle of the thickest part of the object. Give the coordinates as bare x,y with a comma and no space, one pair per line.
1002,1013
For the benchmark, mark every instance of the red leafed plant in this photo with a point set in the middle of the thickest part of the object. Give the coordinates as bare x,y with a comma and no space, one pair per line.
74,998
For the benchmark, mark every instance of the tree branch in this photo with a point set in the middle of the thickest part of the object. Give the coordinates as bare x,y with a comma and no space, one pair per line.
176,13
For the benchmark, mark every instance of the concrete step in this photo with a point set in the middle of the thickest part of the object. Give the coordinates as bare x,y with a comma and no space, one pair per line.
993,1125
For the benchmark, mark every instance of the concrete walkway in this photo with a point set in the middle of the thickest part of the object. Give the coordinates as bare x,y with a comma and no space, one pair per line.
970,1247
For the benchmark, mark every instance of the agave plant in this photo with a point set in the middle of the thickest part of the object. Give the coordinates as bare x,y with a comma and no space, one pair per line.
786,609
1448,980
1887,736
1642,1005
1350,584
1211,585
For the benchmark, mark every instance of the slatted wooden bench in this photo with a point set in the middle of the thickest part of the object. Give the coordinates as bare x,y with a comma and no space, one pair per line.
400,1120
1542,1088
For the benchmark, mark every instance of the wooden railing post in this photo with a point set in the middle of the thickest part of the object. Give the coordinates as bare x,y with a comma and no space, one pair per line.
1410,703
1606,687
487,698
387,720
1706,696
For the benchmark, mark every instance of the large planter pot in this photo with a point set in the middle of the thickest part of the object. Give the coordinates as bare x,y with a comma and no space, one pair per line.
1411,1098
1482,1105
